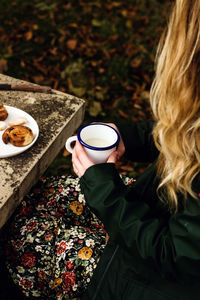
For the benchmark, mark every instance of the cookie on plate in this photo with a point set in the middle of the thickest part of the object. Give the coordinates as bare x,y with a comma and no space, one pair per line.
3,113
17,121
2,125
18,135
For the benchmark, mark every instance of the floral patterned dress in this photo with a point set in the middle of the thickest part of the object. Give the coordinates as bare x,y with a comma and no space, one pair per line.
55,241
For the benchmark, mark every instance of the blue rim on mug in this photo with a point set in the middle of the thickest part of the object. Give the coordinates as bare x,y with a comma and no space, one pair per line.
93,147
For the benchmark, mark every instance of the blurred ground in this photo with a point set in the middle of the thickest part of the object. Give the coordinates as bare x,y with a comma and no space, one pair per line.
101,51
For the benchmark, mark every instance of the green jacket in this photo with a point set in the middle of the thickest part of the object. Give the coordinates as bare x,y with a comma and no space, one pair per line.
151,255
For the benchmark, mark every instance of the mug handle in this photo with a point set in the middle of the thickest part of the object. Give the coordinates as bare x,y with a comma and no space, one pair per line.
68,143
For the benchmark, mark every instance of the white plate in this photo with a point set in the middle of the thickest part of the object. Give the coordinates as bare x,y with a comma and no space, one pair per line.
8,150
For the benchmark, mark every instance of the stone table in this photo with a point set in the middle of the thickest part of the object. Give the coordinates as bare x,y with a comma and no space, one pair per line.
58,116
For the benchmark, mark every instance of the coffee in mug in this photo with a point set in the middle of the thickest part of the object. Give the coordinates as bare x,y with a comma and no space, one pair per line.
99,141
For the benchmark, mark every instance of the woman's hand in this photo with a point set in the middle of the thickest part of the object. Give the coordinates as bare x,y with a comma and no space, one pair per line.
81,161
121,148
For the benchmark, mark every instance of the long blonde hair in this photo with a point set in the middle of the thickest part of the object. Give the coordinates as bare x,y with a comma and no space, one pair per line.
175,101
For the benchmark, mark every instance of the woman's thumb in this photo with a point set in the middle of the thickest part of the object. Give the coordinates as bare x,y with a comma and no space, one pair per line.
113,157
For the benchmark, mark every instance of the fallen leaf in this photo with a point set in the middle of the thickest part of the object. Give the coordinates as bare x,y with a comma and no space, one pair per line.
129,24
22,63
78,91
9,49
71,44
137,106
123,114
96,23
145,94
124,13
99,95
35,26
53,51
94,63
28,35
101,70
38,78
73,25
136,62
3,65
95,109
66,153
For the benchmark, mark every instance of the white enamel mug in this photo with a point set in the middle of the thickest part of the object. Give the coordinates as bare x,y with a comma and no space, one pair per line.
99,141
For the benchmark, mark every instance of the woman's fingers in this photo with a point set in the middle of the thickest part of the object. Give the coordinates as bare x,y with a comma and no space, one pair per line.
80,160
82,155
113,157
121,148
76,164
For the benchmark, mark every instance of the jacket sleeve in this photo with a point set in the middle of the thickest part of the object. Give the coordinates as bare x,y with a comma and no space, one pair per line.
138,141
172,245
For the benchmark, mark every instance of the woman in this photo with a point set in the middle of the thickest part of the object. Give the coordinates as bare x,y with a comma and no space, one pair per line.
153,226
